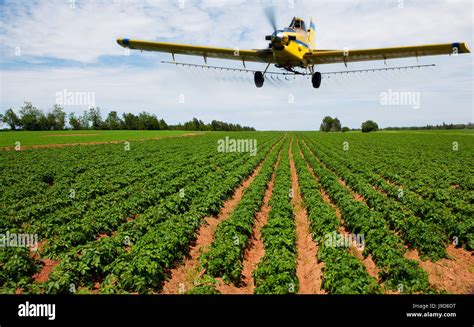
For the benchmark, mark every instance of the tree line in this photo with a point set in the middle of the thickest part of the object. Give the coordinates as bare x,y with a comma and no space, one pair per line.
31,118
330,124
434,127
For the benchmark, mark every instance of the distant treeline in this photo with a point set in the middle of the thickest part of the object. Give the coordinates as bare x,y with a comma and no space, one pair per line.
330,124
30,118
428,127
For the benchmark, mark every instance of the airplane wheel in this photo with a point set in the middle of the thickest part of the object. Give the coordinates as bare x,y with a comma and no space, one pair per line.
316,80
258,78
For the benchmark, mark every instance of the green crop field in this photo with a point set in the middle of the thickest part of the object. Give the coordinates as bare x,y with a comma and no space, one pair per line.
31,138
306,212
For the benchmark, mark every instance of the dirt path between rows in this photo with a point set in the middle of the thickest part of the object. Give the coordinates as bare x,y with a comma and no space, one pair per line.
43,146
48,266
183,276
72,134
368,262
455,275
255,250
308,269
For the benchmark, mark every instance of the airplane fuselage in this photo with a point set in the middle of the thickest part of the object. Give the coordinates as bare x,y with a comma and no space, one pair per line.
291,50
290,44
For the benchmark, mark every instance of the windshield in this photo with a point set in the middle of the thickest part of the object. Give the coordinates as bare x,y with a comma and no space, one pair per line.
298,23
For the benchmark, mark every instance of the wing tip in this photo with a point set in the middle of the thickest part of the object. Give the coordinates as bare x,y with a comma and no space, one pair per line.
467,48
462,47
123,42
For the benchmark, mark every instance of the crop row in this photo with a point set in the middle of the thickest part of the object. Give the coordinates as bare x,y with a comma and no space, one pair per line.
276,272
343,273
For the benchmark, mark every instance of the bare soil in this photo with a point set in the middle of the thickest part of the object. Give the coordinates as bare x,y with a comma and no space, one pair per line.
308,269
455,274
43,275
74,134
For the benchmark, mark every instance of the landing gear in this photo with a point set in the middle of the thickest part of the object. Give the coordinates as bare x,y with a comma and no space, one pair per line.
316,80
258,76
258,79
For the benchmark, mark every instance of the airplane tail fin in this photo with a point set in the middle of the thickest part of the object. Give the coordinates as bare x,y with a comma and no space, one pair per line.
311,33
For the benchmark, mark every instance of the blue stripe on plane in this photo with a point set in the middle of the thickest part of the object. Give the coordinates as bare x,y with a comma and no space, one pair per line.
312,26
302,43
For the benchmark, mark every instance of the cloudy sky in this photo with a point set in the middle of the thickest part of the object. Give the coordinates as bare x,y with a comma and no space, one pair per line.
55,47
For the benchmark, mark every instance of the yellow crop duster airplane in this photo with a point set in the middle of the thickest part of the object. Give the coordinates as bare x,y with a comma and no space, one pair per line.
294,47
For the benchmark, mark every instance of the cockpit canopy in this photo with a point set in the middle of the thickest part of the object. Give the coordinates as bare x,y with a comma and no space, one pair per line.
298,23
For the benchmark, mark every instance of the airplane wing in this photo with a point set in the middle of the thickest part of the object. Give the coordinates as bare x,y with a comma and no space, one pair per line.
264,55
319,57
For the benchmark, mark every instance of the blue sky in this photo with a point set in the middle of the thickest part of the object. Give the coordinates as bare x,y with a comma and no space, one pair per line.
53,46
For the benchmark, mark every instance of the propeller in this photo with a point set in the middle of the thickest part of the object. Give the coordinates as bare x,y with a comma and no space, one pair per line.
271,17
278,38
270,14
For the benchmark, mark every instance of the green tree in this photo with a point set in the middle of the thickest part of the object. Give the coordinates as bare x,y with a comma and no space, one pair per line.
95,118
30,117
148,121
10,118
345,129
113,121
330,124
85,120
130,121
163,124
193,125
43,122
57,117
74,121
369,126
